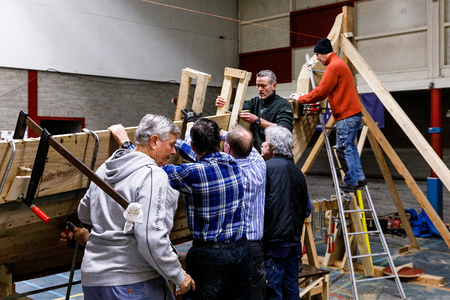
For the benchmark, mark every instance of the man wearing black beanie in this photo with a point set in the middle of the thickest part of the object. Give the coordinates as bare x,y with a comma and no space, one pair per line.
337,84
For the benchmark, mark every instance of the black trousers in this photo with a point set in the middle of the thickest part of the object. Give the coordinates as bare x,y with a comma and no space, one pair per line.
259,271
220,270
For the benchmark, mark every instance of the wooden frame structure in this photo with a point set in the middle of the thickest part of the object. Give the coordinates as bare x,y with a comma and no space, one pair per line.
27,255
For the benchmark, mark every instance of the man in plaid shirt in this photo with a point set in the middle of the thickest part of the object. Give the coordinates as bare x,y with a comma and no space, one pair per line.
238,143
220,260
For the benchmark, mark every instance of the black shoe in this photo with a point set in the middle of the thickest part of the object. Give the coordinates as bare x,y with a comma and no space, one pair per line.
362,183
348,188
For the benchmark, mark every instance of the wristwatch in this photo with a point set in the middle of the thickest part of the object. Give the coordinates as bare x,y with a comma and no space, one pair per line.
258,121
126,144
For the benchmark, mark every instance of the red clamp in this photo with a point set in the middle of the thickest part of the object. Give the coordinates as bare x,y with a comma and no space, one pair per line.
40,213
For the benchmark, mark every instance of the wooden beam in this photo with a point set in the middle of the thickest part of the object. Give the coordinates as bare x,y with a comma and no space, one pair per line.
310,246
402,170
6,284
421,144
362,139
348,26
200,92
239,100
227,90
183,93
392,190
411,131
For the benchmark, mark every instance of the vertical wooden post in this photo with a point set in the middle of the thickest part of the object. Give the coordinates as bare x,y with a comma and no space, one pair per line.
6,283
392,190
183,94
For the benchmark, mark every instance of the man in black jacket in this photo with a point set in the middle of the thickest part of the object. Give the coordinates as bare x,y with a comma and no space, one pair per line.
268,109
285,212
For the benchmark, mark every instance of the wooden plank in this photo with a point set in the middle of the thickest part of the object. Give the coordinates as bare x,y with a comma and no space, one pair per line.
200,92
236,73
402,170
362,139
317,147
6,283
227,91
397,113
239,100
18,187
194,74
362,245
348,26
392,190
326,205
310,247
183,93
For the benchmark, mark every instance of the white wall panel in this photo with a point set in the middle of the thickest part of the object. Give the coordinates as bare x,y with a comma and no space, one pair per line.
119,38
447,43
382,16
447,11
299,60
257,38
255,9
395,53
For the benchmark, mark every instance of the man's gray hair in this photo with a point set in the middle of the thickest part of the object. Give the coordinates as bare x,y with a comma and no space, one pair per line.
281,140
154,125
269,73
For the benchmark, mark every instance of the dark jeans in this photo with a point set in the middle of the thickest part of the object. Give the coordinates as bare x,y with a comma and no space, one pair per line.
282,273
346,132
259,272
220,270
157,288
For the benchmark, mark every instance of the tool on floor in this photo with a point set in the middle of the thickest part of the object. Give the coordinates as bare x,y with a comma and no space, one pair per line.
405,271
343,211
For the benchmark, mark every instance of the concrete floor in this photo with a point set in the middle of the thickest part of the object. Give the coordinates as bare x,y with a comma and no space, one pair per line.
434,259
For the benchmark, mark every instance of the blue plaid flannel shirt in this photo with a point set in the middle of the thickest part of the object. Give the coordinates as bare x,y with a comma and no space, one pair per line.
213,193
253,170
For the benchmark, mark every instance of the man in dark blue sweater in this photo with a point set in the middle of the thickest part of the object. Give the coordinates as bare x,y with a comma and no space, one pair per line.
285,212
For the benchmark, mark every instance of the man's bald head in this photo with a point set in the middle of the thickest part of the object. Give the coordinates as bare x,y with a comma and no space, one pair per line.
240,141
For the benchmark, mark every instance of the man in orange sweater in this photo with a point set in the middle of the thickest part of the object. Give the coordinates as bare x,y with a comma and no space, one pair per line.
337,84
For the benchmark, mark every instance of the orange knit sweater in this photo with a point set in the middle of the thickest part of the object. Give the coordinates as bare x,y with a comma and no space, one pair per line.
336,84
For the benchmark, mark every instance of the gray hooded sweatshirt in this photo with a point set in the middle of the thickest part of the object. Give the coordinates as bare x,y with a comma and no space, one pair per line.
113,258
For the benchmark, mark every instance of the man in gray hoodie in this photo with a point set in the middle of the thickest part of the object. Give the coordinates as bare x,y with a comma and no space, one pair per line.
138,263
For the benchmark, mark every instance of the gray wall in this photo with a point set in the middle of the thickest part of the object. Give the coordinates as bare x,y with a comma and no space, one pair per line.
125,39
116,60
102,101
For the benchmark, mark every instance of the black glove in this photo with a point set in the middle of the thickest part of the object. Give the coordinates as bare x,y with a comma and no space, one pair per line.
189,115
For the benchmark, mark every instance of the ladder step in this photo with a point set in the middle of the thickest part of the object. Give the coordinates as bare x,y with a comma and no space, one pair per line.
363,232
357,210
318,71
375,278
368,255
330,128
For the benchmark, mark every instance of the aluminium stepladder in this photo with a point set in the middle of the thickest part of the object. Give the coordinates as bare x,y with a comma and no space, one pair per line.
343,211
